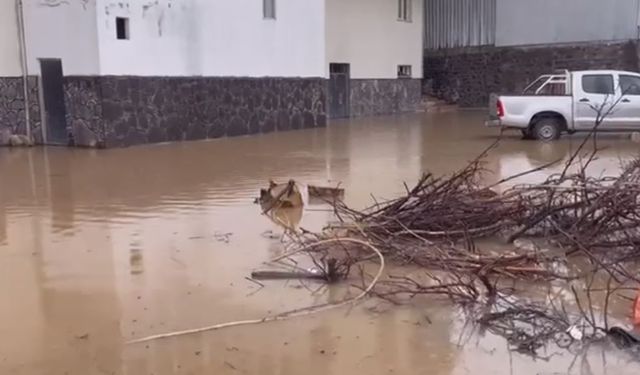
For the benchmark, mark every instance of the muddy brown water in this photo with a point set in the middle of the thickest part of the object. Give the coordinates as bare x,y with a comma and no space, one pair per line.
101,247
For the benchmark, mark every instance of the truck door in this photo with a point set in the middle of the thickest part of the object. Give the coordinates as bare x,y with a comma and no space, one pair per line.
594,95
628,109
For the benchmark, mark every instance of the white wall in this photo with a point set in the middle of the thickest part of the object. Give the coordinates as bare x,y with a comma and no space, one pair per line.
64,29
9,47
292,45
368,35
522,22
160,38
213,38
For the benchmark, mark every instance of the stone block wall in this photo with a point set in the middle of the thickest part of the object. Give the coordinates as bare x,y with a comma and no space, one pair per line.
12,107
83,101
374,97
119,111
123,111
468,76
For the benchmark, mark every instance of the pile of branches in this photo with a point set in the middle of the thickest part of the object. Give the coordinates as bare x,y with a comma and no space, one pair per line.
436,224
596,217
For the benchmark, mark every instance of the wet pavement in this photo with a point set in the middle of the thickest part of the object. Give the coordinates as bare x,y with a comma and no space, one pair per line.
101,247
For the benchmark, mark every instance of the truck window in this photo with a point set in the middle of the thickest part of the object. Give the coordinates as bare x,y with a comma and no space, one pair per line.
535,85
553,89
598,84
630,85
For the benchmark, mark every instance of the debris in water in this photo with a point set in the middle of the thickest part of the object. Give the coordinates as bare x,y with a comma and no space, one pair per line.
434,226
331,271
228,364
294,194
326,193
289,195
575,333
636,310
223,237
623,338
20,140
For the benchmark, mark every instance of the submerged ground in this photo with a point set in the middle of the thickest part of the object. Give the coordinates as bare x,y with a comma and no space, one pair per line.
101,247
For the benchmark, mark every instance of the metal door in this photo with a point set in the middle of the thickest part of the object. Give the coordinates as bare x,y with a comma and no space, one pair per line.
53,97
594,95
628,108
339,90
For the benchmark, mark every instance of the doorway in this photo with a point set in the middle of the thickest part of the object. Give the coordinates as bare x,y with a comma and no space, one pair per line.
339,77
55,112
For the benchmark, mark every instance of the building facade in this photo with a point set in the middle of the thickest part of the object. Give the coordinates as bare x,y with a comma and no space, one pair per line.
118,73
475,47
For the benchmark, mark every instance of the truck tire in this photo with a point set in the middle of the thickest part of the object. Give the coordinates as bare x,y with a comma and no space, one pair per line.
546,129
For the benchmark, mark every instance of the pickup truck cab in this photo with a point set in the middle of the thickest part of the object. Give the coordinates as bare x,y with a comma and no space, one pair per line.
571,102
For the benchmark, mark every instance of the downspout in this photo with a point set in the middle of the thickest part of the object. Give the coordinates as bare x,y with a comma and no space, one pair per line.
25,72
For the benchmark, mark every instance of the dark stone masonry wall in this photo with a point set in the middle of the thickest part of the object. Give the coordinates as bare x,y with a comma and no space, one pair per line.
12,116
467,77
372,97
83,101
119,111
123,111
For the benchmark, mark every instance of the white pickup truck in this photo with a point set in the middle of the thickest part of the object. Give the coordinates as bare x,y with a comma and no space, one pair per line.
571,102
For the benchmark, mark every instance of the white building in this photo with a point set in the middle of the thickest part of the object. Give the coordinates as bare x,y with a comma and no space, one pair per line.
135,72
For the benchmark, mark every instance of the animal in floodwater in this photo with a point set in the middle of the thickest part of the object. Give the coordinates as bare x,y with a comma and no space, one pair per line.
19,140
284,204
287,195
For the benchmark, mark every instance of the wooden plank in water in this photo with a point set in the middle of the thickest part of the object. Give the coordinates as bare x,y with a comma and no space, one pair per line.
325,192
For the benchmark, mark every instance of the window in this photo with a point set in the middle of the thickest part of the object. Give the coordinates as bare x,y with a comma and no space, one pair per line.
534,87
598,84
404,10
269,9
122,28
548,85
404,71
630,85
554,89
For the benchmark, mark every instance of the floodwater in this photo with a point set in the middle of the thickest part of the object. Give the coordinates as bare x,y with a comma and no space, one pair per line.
101,247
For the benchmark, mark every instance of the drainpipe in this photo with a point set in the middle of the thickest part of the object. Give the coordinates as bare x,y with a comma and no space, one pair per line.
23,57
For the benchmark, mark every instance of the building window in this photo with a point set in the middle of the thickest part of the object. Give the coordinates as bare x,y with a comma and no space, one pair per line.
404,71
404,10
122,28
269,9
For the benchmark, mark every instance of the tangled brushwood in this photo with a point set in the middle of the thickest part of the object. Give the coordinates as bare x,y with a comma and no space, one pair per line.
435,227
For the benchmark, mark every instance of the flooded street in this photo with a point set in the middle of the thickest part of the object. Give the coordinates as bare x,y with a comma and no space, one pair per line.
99,247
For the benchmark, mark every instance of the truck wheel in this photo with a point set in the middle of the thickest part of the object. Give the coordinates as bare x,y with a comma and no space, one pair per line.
547,129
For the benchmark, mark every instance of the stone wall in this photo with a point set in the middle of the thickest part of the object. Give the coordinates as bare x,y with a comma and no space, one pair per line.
118,111
123,111
372,97
83,101
12,106
468,76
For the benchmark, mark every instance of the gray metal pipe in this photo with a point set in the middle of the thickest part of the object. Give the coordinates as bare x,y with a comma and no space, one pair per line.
23,57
